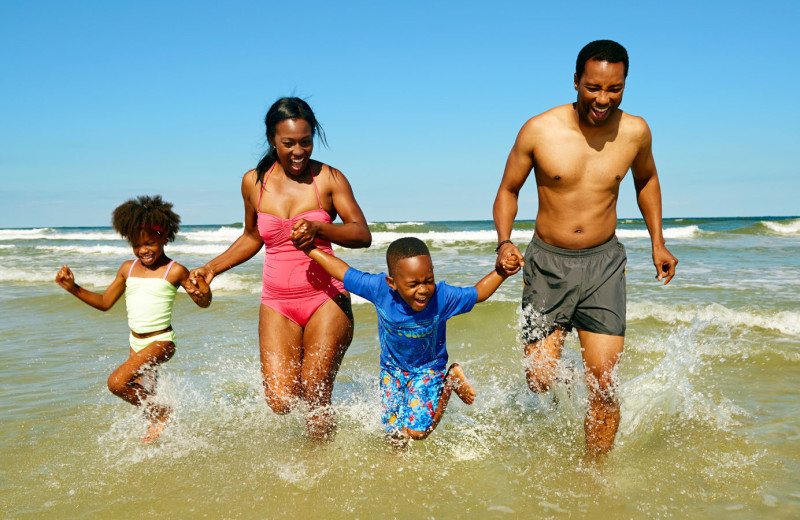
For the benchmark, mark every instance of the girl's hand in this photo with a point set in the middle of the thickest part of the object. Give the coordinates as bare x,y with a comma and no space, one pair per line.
303,234
65,278
199,281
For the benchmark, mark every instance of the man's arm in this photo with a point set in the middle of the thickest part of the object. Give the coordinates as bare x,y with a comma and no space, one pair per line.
518,167
648,196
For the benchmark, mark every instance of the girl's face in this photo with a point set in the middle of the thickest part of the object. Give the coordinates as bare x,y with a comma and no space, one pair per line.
149,246
293,143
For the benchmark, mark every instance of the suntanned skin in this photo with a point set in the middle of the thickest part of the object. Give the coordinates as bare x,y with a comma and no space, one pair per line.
134,381
413,280
299,363
580,153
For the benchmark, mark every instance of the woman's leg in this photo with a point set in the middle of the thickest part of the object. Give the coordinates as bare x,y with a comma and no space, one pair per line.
327,335
281,346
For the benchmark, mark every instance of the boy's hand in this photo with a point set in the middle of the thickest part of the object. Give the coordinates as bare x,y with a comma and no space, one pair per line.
65,278
303,234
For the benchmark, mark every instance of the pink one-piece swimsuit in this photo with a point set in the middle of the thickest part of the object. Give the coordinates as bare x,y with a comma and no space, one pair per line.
294,284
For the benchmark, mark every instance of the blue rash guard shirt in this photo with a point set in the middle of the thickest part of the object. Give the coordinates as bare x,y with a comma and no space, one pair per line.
410,340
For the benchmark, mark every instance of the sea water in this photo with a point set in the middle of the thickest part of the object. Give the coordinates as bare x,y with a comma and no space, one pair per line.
708,388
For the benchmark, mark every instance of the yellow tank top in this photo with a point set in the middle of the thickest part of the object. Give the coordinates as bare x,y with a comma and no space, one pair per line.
149,302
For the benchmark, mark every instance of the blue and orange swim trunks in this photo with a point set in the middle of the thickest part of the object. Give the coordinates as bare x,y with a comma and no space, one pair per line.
410,398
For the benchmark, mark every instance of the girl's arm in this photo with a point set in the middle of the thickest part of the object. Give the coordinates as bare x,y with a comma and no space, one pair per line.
335,267
353,232
179,274
104,301
244,248
489,284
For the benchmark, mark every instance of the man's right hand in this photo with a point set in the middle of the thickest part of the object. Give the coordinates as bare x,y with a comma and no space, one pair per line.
509,259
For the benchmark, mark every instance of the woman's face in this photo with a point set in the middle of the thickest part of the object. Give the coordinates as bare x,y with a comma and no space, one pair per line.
293,143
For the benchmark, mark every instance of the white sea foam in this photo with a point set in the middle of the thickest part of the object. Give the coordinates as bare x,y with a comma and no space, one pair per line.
446,237
395,225
172,250
24,234
652,400
675,232
786,322
787,227
225,234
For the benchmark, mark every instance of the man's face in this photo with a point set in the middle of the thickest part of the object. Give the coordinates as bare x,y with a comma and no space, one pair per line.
599,91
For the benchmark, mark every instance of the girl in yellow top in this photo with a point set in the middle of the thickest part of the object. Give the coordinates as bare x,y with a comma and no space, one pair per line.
150,283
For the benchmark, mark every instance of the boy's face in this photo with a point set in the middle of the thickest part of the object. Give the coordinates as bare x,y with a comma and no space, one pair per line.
412,278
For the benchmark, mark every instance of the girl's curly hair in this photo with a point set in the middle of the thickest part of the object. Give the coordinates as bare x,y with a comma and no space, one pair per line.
145,213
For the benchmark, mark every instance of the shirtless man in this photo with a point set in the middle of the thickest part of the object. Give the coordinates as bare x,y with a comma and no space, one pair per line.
574,268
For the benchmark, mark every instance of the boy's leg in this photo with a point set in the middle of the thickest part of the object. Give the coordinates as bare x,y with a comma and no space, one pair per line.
541,360
454,380
601,353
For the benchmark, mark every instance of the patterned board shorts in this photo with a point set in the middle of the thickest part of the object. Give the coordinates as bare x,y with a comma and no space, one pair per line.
410,399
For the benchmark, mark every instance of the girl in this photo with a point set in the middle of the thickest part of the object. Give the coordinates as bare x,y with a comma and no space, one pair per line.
150,283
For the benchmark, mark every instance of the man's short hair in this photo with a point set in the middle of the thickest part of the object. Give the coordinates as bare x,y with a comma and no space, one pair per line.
406,247
601,50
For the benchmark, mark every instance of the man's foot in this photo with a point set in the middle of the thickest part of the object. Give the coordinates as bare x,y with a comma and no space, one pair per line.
158,421
461,385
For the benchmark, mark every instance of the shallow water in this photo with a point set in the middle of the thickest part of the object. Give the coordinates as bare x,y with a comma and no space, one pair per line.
708,387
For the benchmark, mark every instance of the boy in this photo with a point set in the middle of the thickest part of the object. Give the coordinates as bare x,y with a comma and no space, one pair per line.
412,312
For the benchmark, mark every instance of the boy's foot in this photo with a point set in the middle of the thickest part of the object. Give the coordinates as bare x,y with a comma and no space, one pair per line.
461,385
158,421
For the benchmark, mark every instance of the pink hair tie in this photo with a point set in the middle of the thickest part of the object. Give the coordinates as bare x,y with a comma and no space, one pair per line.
154,227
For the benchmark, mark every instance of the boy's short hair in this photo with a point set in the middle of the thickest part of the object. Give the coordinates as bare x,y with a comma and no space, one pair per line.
406,247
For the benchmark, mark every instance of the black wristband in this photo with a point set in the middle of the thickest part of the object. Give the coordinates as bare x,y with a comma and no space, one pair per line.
501,244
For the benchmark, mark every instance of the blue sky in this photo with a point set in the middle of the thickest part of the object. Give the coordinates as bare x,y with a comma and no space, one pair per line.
421,101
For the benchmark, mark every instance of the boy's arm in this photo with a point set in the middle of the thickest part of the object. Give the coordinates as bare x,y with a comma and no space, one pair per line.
104,301
199,291
335,267
488,285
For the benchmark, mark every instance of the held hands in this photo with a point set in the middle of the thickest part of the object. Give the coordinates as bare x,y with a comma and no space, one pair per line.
303,234
509,260
66,279
665,264
199,280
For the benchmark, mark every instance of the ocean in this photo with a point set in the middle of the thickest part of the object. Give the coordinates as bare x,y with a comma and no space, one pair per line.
708,387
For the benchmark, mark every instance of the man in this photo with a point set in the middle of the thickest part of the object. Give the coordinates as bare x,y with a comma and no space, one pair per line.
574,268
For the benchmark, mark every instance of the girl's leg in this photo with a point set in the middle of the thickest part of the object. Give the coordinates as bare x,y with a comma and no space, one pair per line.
126,381
134,381
281,346
327,335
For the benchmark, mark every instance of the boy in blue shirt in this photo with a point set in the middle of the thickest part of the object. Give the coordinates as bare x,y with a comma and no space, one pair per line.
412,311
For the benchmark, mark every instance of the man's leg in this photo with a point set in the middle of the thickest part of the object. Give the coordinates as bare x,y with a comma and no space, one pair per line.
541,360
601,353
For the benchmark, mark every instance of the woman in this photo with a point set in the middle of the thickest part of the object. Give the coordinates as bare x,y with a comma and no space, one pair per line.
305,321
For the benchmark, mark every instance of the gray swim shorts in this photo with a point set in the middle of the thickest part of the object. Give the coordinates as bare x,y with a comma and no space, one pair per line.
584,288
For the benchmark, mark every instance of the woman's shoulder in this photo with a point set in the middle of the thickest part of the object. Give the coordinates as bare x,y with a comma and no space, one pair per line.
328,173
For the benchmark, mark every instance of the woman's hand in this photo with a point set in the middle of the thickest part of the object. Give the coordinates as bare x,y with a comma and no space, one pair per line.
303,234
199,280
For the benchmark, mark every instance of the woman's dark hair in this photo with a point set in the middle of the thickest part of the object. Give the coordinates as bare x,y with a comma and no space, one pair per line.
402,248
601,50
283,109
145,213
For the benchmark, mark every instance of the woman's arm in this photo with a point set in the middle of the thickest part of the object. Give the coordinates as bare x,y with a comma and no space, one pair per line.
243,249
353,232
104,301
